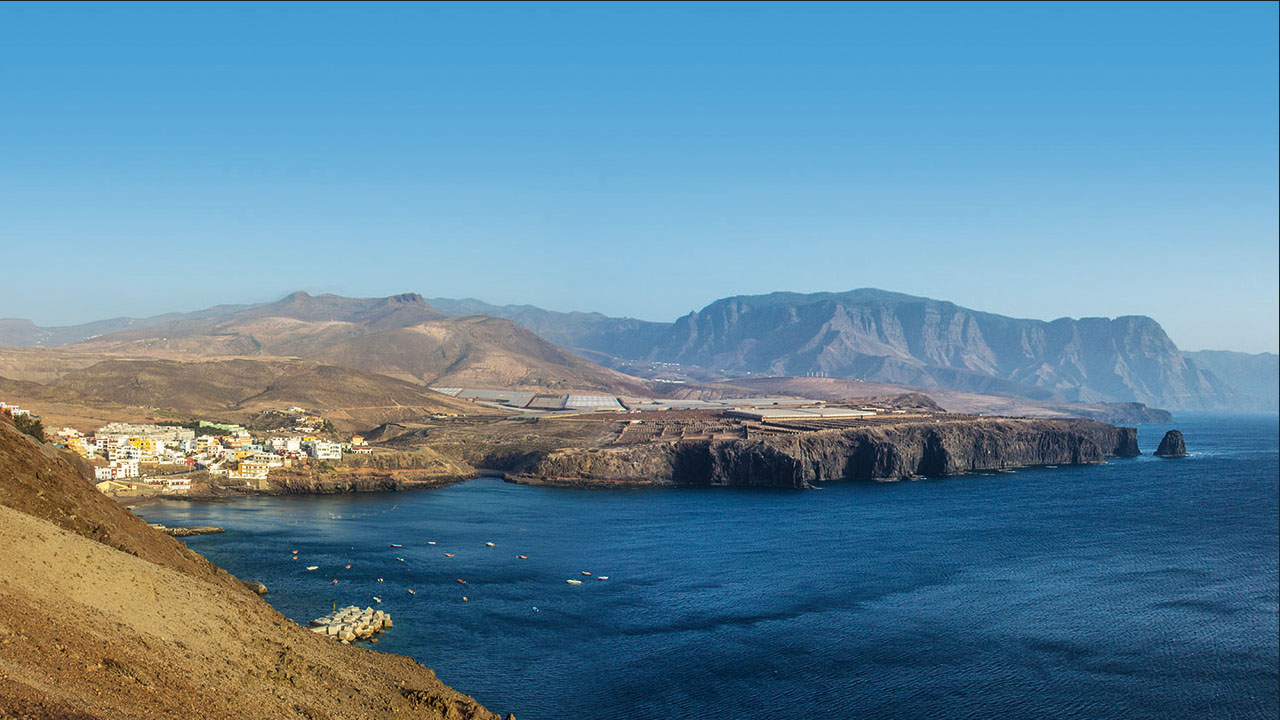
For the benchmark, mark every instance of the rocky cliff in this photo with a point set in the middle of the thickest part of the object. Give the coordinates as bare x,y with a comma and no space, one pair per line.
1254,377
1172,445
890,337
872,453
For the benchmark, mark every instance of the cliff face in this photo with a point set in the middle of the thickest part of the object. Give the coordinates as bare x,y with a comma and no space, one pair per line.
1254,377
1172,445
889,337
891,452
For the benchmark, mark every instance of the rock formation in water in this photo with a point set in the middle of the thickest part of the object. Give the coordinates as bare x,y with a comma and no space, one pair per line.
1172,445
869,453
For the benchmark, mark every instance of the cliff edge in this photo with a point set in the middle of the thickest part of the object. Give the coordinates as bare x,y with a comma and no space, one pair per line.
886,452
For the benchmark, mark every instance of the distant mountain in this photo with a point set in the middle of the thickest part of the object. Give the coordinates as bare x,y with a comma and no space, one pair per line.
16,332
289,326
890,337
400,336
621,337
475,351
1254,376
867,334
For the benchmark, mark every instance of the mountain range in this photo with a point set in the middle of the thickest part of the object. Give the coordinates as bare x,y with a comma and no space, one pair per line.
867,334
887,337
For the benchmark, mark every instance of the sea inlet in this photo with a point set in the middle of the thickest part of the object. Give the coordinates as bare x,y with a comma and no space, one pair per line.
1143,588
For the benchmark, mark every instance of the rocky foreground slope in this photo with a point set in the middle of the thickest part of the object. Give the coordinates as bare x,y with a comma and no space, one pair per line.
884,452
104,617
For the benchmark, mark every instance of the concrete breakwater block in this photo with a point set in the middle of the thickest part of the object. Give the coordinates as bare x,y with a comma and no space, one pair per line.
352,623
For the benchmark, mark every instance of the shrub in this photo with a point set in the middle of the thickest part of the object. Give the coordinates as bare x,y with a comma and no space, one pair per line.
30,425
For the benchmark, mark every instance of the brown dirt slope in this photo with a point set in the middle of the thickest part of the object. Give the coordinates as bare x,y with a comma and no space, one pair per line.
476,352
214,386
400,336
103,618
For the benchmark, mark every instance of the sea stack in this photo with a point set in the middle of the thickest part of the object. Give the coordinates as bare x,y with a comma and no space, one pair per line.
1172,446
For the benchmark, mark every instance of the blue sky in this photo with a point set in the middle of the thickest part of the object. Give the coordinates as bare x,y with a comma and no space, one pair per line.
1032,160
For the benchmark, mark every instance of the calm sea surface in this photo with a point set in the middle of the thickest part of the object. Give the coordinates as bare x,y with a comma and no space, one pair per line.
1144,588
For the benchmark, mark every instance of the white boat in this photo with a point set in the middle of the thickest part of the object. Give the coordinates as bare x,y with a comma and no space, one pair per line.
584,572
313,567
574,582
489,544
602,577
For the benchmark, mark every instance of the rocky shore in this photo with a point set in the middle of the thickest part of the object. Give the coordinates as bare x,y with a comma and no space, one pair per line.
887,452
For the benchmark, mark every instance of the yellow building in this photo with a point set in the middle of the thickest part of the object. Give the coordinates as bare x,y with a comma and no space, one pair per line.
250,471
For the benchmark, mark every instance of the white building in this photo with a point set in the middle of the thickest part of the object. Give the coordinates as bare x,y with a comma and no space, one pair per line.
266,458
321,450
286,444
121,469
123,453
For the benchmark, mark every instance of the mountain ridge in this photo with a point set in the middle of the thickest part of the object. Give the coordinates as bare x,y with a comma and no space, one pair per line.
883,336
866,334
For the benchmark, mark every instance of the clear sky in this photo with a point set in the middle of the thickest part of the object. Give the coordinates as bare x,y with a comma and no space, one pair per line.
1033,160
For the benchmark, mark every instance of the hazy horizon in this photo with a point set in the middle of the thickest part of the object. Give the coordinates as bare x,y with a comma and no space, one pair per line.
1038,161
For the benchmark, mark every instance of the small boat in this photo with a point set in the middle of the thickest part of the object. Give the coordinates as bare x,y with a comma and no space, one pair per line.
448,554
379,579
465,599
411,592
431,542
535,609
295,557
464,582
488,544
523,557
571,582
313,567
335,581
602,577
584,572
295,552
347,567
396,545
400,559
377,599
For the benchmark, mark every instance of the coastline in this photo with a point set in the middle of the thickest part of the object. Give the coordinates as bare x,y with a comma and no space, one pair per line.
882,453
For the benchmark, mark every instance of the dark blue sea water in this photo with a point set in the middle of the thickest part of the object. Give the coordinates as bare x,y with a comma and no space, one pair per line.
1144,588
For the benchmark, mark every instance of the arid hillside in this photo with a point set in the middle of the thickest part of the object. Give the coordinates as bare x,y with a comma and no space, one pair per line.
103,617
399,336
476,351
239,388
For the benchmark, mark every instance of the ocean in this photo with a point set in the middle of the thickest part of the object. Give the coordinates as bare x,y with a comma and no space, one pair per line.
1142,588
